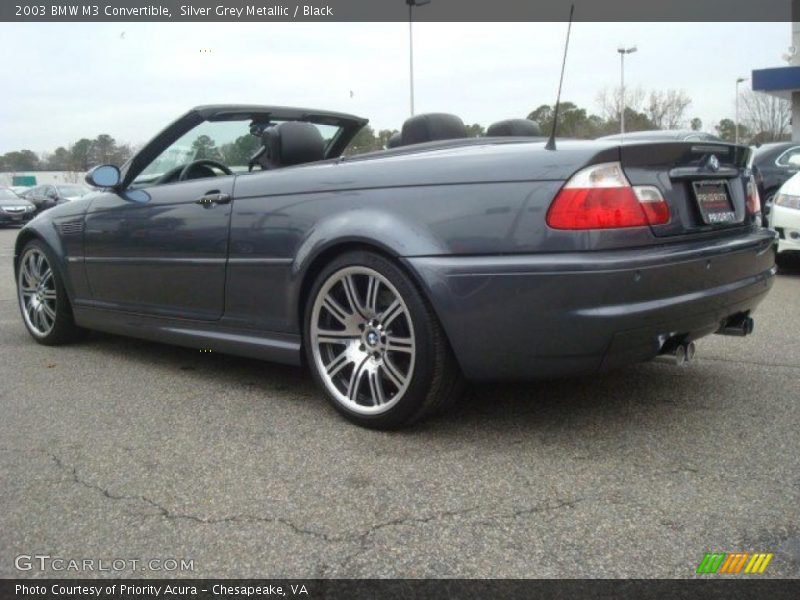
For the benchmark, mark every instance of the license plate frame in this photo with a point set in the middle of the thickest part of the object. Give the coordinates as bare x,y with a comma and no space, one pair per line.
714,210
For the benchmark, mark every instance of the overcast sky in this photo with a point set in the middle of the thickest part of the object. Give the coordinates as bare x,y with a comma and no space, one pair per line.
65,81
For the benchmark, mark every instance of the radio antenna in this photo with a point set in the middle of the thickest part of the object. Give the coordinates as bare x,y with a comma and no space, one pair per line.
551,143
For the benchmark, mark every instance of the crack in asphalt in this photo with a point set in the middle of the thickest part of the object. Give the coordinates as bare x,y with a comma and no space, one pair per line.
362,538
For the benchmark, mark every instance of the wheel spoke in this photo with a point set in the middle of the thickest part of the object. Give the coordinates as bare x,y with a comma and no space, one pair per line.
393,373
351,292
372,296
331,336
46,276
49,295
48,311
399,344
337,364
336,310
355,380
376,388
390,314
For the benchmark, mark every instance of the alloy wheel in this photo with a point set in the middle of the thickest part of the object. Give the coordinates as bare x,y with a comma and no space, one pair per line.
362,340
37,292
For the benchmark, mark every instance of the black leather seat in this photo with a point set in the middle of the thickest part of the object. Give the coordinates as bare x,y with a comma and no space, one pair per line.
287,144
431,127
514,127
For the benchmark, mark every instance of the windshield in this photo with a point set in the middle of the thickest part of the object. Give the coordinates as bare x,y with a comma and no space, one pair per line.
8,195
69,191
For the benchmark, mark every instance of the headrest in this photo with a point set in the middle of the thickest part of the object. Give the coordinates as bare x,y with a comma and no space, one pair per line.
289,143
514,127
431,127
394,140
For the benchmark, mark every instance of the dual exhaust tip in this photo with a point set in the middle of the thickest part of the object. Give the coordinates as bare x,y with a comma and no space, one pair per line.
682,353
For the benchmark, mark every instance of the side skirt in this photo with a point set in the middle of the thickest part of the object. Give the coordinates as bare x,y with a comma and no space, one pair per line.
275,347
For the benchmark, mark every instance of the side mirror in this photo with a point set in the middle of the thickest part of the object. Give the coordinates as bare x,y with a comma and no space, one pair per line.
104,176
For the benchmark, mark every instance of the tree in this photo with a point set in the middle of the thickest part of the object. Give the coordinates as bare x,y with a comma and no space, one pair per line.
726,129
609,101
364,141
240,151
573,121
696,124
205,147
384,135
59,160
666,108
475,130
767,117
21,160
79,155
102,149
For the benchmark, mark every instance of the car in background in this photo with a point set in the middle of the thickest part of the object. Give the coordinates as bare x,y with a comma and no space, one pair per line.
13,209
663,135
785,216
49,195
773,165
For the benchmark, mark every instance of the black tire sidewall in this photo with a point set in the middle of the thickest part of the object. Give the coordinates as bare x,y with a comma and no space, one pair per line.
426,354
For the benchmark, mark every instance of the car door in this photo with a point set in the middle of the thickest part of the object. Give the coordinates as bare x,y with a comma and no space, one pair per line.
159,245
163,257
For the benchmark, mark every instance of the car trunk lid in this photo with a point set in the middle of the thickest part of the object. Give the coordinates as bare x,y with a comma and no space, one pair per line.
704,183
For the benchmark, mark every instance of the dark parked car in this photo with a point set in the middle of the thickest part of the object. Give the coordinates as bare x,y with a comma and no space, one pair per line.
13,209
773,165
398,274
664,135
47,196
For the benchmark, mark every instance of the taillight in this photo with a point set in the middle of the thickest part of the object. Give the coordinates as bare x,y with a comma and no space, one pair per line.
753,202
600,197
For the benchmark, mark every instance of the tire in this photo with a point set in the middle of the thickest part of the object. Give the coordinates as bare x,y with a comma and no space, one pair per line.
42,298
374,345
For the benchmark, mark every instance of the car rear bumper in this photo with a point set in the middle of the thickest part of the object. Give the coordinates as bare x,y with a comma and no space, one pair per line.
786,221
548,315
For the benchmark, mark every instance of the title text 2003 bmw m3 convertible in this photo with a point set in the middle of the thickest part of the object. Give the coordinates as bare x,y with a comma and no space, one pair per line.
397,274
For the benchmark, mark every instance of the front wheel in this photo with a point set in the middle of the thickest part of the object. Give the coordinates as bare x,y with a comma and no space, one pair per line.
375,346
43,300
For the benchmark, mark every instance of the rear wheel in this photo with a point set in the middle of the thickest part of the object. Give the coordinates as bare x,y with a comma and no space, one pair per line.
375,346
43,300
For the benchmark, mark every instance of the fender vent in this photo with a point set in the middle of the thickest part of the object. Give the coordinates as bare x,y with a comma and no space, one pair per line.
73,227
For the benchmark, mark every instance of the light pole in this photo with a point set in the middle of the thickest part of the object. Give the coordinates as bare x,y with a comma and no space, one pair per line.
622,53
738,81
411,5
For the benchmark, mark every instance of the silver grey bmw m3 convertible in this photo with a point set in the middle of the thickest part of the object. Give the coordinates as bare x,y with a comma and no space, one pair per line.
400,274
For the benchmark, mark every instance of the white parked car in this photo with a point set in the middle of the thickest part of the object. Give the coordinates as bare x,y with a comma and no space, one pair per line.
785,215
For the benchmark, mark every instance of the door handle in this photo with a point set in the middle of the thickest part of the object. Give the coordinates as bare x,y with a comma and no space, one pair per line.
213,197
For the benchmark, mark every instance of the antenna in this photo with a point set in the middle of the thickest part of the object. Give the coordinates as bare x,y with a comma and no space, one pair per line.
551,143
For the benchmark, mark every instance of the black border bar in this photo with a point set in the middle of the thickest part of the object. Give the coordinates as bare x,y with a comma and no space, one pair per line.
727,588
395,10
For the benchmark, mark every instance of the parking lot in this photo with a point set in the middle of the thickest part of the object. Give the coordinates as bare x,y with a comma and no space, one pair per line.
116,448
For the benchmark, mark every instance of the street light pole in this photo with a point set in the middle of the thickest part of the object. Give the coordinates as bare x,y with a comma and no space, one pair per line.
411,5
622,53
738,81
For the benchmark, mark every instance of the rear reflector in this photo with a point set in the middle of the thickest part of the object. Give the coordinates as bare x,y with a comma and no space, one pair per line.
600,197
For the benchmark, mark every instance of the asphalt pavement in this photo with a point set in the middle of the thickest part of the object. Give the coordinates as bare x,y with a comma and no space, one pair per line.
114,448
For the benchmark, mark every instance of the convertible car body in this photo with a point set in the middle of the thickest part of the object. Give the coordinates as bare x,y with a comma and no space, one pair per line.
398,273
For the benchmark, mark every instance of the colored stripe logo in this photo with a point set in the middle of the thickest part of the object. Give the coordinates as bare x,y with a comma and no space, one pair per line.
734,562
